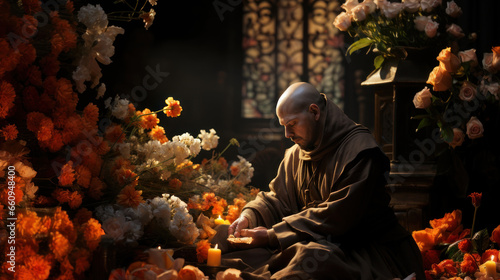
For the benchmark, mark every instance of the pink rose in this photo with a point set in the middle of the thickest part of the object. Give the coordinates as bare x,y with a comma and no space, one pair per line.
488,63
391,10
431,28
455,30
453,10
458,138
358,13
429,5
411,6
349,5
474,128
422,99
468,55
493,88
370,6
342,21
440,79
467,91
381,3
448,61
421,22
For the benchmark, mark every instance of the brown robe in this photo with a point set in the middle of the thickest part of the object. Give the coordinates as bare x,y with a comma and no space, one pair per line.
329,211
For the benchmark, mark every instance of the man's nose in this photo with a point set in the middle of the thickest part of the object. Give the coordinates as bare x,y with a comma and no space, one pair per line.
288,133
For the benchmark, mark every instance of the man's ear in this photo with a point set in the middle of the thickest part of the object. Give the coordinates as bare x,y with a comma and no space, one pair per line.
313,108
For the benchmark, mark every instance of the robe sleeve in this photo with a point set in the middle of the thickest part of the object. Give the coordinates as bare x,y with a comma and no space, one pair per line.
354,198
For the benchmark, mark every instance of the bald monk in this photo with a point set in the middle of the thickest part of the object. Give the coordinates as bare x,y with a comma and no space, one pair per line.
326,215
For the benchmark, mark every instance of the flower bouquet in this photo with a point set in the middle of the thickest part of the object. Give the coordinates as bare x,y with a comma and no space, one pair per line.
451,252
387,28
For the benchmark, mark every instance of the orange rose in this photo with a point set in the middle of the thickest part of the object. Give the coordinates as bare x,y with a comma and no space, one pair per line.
440,79
495,235
451,221
490,254
428,238
476,198
448,61
496,57
458,138
190,272
465,245
202,250
469,265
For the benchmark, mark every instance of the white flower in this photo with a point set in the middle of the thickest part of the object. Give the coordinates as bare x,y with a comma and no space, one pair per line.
119,107
391,10
359,12
115,227
93,17
30,190
411,6
429,5
452,9
144,213
208,140
100,91
25,171
181,152
349,5
245,170
124,149
421,22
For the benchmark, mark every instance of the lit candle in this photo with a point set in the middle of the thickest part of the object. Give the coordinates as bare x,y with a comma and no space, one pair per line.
214,256
168,256
156,257
227,222
219,221
491,268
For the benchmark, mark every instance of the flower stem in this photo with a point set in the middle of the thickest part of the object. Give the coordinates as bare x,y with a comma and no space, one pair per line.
473,222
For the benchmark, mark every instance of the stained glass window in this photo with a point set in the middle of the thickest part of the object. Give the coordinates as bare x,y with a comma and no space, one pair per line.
287,41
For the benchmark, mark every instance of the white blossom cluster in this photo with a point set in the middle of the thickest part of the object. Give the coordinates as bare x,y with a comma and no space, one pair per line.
208,140
118,107
25,172
98,46
246,170
169,213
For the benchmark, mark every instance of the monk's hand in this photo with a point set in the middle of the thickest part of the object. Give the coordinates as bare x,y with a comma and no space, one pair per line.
236,227
259,236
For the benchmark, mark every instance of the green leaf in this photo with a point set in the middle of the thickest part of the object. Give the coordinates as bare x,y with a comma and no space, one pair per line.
379,60
361,43
446,133
482,240
452,250
423,123
419,117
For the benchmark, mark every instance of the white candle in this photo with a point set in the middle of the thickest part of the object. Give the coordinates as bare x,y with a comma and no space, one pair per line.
156,257
491,268
219,221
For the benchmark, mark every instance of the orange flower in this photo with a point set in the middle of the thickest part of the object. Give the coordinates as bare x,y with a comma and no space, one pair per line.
495,235
490,254
146,119
428,238
50,65
202,250
82,263
82,216
32,6
440,79
55,143
469,264
26,248
33,120
446,266
235,170
129,197
465,245
114,134
233,212
219,206
96,187
65,30
91,114
83,176
125,176
61,195
9,58
75,200
67,175
254,191
45,129
62,223
430,257
28,224
448,61
6,98
190,272
476,198
175,183
92,232
158,133
28,52
450,220
59,245
173,108
18,195
93,162
9,132
496,57
38,266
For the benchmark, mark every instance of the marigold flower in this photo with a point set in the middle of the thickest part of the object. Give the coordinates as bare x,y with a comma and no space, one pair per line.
175,183
93,161
59,245
28,224
6,98
219,206
126,176
62,223
82,263
465,245
50,65
235,170
9,132
147,119
61,195
490,254
430,257
450,220
114,134
82,216
129,197
83,176
96,187
158,133
469,265
67,175
91,114
32,6
39,267
202,250
92,232
254,191
28,52
173,108
75,200
476,198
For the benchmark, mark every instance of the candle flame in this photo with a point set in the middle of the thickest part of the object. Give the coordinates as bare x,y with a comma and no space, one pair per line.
220,217
492,257
159,247
218,244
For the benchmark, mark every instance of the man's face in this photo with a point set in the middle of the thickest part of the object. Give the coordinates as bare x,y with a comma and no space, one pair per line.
300,127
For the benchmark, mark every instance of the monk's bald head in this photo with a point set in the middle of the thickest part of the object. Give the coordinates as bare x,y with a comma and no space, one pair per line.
298,97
